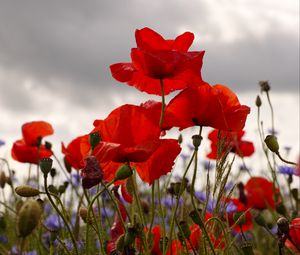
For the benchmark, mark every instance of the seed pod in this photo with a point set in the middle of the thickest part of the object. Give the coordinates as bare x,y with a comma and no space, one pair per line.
196,140
46,165
258,101
95,138
247,248
123,172
26,191
272,144
28,217
283,225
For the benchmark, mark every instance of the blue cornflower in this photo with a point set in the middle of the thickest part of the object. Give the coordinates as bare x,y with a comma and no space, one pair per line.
76,179
34,252
286,170
2,142
3,239
53,222
231,207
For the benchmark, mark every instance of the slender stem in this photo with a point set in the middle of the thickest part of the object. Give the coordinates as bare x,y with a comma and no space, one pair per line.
161,212
60,214
90,208
284,160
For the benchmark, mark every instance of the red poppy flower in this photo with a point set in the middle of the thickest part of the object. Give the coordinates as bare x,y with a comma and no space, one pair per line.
29,149
76,151
294,234
260,193
157,59
205,105
131,135
229,141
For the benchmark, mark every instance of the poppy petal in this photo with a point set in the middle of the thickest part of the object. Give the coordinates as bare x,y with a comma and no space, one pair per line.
35,130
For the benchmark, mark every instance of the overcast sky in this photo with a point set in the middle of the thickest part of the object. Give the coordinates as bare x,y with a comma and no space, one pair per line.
55,55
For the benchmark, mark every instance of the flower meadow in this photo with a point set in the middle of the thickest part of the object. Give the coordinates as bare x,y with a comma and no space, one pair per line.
114,190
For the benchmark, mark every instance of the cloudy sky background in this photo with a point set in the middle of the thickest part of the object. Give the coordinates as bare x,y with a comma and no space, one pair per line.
55,57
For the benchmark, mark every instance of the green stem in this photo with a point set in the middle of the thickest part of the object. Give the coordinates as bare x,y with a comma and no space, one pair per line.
60,214
284,160
162,215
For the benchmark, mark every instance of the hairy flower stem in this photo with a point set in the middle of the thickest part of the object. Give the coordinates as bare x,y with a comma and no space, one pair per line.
59,213
163,103
177,200
90,208
201,225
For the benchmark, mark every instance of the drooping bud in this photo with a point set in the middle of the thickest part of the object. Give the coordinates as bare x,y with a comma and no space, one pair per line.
239,218
123,172
180,139
197,140
120,243
283,225
48,145
28,217
260,220
83,212
67,165
185,229
46,165
130,236
272,144
95,138
195,216
264,86
2,179
258,101
26,191
53,189
53,172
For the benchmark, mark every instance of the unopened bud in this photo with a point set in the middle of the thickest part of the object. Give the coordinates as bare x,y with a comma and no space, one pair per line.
283,225
48,145
28,217
53,172
176,188
295,194
239,218
272,144
67,165
195,215
123,172
95,138
83,212
196,140
53,189
26,191
185,229
180,139
2,179
145,206
280,208
46,165
258,101
260,220
120,243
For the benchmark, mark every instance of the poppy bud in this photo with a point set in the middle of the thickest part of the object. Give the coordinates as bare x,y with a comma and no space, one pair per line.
264,86
239,218
175,188
247,248
260,220
161,243
123,172
83,212
53,189
280,208
195,217
26,191
67,165
48,145
290,179
61,189
2,179
46,165
53,172
129,236
185,229
28,217
258,101
283,225
272,144
95,138
180,139
120,243
145,206
196,140
295,194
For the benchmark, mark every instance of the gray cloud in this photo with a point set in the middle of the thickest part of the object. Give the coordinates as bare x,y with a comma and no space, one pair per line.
68,46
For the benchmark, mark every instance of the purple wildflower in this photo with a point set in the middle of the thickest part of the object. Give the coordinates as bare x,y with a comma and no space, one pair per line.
286,170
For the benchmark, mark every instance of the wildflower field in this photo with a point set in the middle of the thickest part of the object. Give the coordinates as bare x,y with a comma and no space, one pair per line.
113,190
